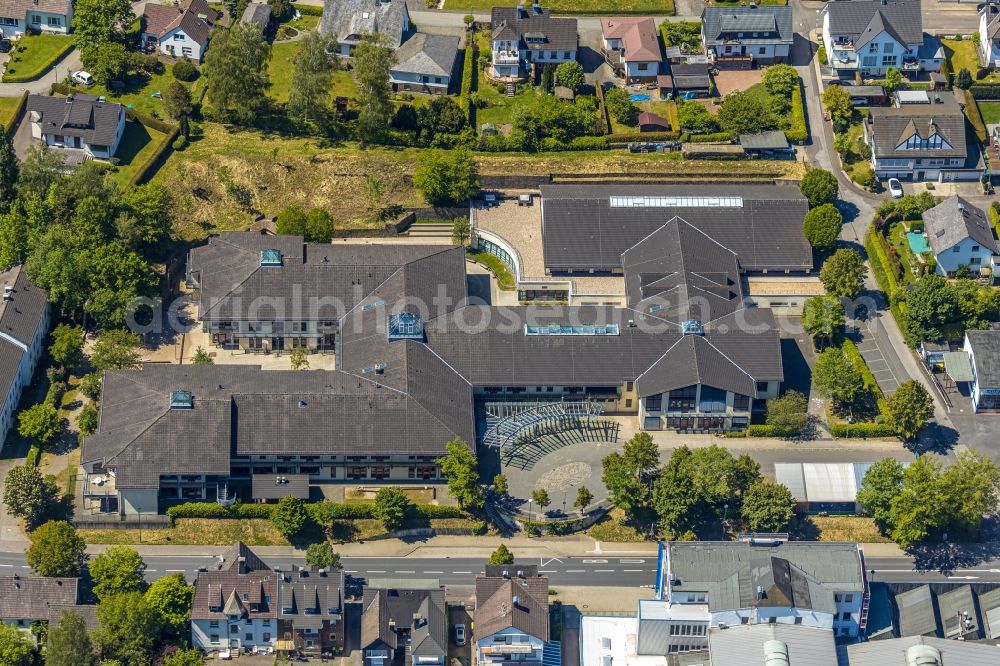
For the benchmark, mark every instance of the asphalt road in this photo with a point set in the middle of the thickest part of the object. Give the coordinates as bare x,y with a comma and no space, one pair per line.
571,571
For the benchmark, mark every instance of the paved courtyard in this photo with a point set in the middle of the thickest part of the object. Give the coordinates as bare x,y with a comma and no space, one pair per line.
728,81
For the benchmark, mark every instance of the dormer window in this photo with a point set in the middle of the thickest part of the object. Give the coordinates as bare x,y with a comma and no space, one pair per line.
692,327
270,258
181,399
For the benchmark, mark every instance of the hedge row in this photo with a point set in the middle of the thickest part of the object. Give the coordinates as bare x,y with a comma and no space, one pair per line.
976,118
322,512
150,121
309,10
765,430
15,118
152,163
706,138
867,378
468,83
798,130
631,137
862,430
884,276
24,77
985,91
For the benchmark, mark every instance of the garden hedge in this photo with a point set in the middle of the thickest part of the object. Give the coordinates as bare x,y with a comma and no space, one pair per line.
867,378
798,130
707,138
152,163
15,119
862,430
24,77
468,85
309,10
985,91
765,430
976,118
322,512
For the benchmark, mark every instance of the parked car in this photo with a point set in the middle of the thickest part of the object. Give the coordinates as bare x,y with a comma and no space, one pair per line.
5,46
895,188
459,634
83,78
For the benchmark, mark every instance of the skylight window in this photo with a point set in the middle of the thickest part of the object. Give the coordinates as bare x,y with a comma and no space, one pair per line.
372,305
676,202
559,329
181,400
405,326
270,257
692,327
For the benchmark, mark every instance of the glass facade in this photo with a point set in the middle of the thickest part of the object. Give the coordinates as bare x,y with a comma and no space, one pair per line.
498,252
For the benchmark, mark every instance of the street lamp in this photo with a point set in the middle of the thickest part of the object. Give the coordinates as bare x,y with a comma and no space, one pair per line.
529,510
725,515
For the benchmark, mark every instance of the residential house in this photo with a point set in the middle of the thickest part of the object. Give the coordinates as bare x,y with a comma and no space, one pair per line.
311,609
690,80
512,615
743,37
25,600
77,122
18,17
923,142
960,234
180,30
525,38
404,623
631,47
24,323
983,348
349,20
988,45
872,36
258,14
704,585
234,603
918,650
425,63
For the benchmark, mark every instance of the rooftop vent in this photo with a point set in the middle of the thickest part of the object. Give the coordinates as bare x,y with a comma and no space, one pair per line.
775,653
8,293
923,655
506,574
692,327
181,399
377,369
270,257
536,8
302,404
516,600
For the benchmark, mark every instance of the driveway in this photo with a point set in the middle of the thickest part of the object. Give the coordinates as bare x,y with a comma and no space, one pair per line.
42,85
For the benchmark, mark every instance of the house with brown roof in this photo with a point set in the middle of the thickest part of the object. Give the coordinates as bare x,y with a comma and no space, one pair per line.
24,323
178,30
25,600
403,622
526,37
631,47
19,16
311,609
235,603
512,615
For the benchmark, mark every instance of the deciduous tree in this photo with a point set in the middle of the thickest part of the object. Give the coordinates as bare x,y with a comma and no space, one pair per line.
894,80
56,550
312,79
88,419
882,482
745,113
322,555
909,409
290,516
9,171
29,495
767,507
570,75
188,657
583,498
119,569
299,359
67,345
781,80
838,104
819,186
171,598
101,21
931,304
822,317
116,349
822,226
788,412
460,231
836,377
540,497
843,273
502,555
178,105
129,630
68,642
373,58
201,357
319,226
15,648
446,177
917,511
500,484
236,71
459,467
40,422
391,504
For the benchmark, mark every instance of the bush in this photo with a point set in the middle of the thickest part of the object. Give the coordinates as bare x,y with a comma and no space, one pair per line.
976,118
862,430
184,70
798,131
321,512
180,143
867,378
621,107
480,528
763,430
715,137
863,174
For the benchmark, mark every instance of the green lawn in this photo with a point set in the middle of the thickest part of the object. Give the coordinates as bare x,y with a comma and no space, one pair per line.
897,239
36,53
282,65
602,7
7,106
138,92
962,54
990,112
137,144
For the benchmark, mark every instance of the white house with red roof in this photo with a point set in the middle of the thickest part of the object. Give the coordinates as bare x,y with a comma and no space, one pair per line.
180,30
632,47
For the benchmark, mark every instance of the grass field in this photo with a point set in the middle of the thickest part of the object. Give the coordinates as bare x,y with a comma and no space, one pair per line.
963,55
7,107
195,532
836,528
138,143
38,55
138,93
990,112
612,529
609,7
280,172
282,65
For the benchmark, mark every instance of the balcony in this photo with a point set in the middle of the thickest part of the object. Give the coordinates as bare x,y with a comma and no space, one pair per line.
511,57
910,65
843,43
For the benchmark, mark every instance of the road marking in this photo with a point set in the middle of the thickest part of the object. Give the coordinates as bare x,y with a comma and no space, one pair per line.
547,571
595,561
6,565
355,571
462,572
438,572
626,570
604,570
174,570
406,572
574,570
25,566
150,569
374,571
631,561
543,562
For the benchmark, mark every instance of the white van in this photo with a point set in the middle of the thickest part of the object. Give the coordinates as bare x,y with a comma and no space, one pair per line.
83,78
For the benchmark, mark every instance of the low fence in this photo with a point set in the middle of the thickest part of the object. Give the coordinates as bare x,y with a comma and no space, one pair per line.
110,522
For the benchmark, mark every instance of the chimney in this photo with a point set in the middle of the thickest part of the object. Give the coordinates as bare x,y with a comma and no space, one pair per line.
520,573
760,588
516,600
521,13
536,8
506,574
8,293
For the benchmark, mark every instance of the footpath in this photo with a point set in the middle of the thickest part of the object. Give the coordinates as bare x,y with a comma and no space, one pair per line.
440,547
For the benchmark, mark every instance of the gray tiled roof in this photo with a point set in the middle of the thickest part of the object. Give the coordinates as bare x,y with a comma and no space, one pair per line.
519,600
807,574
351,19
580,229
21,316
18,8
776,21
989,607
40,598
422,611
864,19
311,597
429,55
958,601
241,582
743,645
773,140
893,652
955,219
560,33
258,13
78,115
917,614
986,349
692,76
891,126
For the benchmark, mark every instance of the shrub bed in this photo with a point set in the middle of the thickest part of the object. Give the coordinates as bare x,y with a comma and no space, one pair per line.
862,430
765,430
976,118
798,130
322,512
707,138
859,364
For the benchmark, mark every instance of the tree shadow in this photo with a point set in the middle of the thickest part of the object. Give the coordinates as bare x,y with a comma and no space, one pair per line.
947,557
935,438
802,528
849,210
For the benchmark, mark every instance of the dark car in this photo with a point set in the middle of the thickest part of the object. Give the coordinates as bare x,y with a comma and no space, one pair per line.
5,46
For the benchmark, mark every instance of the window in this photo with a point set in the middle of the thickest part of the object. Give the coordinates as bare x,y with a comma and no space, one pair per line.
741,402
266,623
36,19
213,624
566,55
762,387
7,21
772,620
848,598
630,386
869,61
187,51
888,61
888,47
437,79
642,66
179,37
249,636
55,21
682,400
213,639
975,260
628,402
654,403
956,249
762,50
975,248
267,636
712,400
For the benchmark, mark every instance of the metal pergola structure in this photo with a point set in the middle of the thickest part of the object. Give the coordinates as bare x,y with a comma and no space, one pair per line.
508,423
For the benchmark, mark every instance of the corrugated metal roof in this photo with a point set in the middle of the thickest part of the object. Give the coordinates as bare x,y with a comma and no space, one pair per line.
790,476
892,652
743,645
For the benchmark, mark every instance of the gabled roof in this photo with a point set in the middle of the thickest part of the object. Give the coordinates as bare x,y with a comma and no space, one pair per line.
41,598
747,645
240,585
21,316
897,651
891,126
917,612
558,34
992,12
772,23
986,350
955,219
194,17
430,55
349,20
18,8
386,611
694,76
638,35
258,13
863,20
648,118
308,597
85,116
519,600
